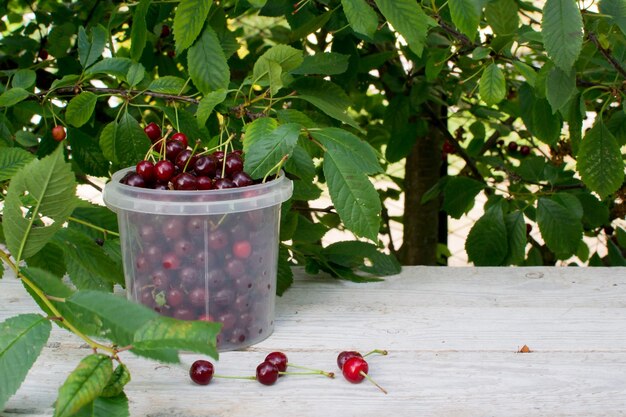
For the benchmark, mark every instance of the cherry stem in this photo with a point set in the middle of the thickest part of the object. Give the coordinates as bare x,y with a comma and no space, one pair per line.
377,351
193,151
315,371
312,372
369,378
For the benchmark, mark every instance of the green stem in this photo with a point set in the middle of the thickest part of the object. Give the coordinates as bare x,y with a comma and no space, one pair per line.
366,376
93,226
251,378
312,371
376,351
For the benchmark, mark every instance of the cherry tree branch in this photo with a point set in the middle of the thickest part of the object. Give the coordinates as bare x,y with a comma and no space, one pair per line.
607,54
120,91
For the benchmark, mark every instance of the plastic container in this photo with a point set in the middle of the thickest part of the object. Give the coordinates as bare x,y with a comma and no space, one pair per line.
203,255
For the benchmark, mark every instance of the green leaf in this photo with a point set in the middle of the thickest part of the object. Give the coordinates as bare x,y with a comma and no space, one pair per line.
599,161
274,76
117,382
188,22
615,256
352,193
617,10
21,340
24,78
26,138
284,276
120,319
51,184
526,71
12,160
362,255
80,108
139,30
84,384
190,335
207,64
136,74
560,228
86,153
346,145
106,407
327,97
459,195
516,232
207,104
560,87
595,213
131,142
87,264
301,164
117,67
408,18
361,17
287,57
545,125
90,50
107,142
492,87
184,121
562,30
502,16
264,152
466,16
13,96
327,63
487,243
167,84
67,80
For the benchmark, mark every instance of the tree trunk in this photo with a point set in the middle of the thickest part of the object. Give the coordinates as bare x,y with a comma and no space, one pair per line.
422,228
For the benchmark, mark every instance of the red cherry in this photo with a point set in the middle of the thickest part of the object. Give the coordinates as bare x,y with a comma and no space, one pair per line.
172,149
355,369
164,170
185,181
58,133
201,372
278,359
174,297
153,131
512,146
242,249
170,261
448,148
165,31
241,179
186,159
267,373
135,180
43,54
345,355
233,163
146,170
204,183
223,183
182,138
524,150
205,165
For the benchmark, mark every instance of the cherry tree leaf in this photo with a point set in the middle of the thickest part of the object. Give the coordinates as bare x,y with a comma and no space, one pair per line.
562,30
487,242
408,18
80,108
12,160
189,21
207,64
466,16
139,30
361,17
560,227
492,87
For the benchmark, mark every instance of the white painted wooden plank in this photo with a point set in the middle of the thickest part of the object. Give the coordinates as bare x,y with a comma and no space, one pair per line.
452,333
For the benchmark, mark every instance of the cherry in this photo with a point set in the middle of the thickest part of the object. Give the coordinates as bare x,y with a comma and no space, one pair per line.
164,170
355,370
218,155
153,131
345,355
223,183
173,228
278,359
233,163
43,54
174,297
182,138
197,297
183,313
242,249
204,183
185,181
185,160
135,180
146,170
448,147
165,31
217,239
188,276
205,165
241,179
172,149
170,261
58,133
512,146
524,150
267,373
529,228
201,372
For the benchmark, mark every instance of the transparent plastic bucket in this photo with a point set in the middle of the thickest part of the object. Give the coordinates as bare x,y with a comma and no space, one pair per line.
203,255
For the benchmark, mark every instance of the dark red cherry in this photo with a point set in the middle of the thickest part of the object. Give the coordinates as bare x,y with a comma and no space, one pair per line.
223,183
524,150
241,179
182,138
205,165
233,163
135,180
204,183
217,239
218,155
345,355
153,131
174,297
146,170
185,160
512,146
278,359
197,297
267,373
164,170
170,261
185,181
165,31
172,149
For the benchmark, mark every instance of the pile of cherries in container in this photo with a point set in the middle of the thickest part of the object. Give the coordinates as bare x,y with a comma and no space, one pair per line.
180,168
211,267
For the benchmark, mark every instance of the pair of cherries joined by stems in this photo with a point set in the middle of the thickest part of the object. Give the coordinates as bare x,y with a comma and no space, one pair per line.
352,364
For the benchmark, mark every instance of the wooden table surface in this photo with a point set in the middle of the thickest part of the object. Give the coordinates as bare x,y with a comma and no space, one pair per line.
453,336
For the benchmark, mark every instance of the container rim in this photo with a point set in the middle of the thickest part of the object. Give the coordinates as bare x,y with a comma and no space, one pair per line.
121,197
